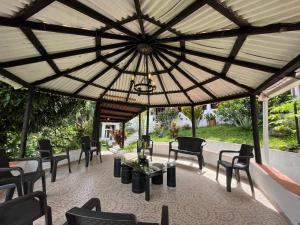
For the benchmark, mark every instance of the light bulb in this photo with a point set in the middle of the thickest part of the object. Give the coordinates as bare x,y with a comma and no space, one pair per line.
149,75
132,78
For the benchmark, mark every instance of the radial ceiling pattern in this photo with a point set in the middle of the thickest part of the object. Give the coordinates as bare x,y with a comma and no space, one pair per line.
199,51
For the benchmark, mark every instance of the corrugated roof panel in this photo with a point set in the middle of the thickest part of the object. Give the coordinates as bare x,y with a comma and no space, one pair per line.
58,42
113,9
89,71
222,88
123,82
32,72
63,84
59,14
72,61
157,83
249,77
107,78
197,95
164,10
134,98
271,49
133,26
150,28
116,96
194,72
124,61
261,12
9,8
211,64
205,19
158,100
178,98
216,46
168,82
107,41
14,45
91,91
185,82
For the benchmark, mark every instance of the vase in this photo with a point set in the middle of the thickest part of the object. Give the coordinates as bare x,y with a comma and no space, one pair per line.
138,182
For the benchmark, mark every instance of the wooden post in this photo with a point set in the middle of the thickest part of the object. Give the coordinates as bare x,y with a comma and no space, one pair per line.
123,134
296,122
140,126
255,130
193,121
147,126
96,126
26,119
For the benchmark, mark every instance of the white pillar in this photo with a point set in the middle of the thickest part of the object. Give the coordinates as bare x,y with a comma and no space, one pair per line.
265,128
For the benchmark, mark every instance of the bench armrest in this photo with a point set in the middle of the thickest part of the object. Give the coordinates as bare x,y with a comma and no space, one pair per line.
226,151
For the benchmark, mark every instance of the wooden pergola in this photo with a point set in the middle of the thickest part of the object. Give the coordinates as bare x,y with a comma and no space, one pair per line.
198,51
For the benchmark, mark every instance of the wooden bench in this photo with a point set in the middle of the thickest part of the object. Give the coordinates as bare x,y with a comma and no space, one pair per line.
190,146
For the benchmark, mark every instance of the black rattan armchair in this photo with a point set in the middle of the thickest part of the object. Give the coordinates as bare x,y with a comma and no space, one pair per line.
240,162
25,180
85,216
88,148
147,139
46,153
25,210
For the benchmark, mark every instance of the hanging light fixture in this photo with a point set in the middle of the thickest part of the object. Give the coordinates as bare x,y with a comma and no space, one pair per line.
146,85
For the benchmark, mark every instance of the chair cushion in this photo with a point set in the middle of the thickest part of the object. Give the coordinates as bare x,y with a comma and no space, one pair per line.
235,166
19,214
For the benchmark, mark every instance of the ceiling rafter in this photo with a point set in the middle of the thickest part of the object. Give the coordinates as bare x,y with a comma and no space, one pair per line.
147,71
105,70
80,7
98,44
121,22
250,65
140,18
119,110
15,22
33,8
13,77
180,16
159,79
135,72
186,75
118,75
173,78
248,30
83,65
116,113
210,71
45,57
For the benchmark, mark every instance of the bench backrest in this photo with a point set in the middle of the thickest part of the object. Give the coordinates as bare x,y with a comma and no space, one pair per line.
190,144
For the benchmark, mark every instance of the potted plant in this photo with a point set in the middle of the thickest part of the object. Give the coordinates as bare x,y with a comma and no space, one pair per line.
173,130
211,119
142,145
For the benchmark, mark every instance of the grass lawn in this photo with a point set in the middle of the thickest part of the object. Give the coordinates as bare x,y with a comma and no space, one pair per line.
228,133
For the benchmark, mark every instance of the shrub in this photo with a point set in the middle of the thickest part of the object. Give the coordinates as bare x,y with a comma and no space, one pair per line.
165,117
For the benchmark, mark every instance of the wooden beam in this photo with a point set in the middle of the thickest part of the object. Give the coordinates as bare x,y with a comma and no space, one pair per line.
45,57
118,75
159,79
15,22
212,72
147,121
249,30
285,71
136,70
98,44
255,130
180,16
193,121
76,68
96,126
121,22
246,64
185,74
105,70
33,8
173,78
115,116
140,19
14,78
140,126
84,9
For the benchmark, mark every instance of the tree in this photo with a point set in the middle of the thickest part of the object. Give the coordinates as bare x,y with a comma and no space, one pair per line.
187,110
166,116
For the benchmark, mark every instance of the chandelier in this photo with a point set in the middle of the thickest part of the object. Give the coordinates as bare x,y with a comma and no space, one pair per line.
146,85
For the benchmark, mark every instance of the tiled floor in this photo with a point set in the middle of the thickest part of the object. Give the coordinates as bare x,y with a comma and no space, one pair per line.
197,199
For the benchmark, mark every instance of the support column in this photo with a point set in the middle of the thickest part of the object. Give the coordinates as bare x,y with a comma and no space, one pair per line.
26,119
96,125
140,126
193,121
147,126
255,130
266,127
296,122
123,134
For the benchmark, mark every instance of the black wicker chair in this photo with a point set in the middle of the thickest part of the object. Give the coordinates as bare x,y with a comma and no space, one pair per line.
88,148
147,139
25,210
85,216
25,180
242,163
46,153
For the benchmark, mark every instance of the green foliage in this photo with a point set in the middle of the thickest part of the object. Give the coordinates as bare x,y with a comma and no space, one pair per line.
210,116
165,117
236,112
186,110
